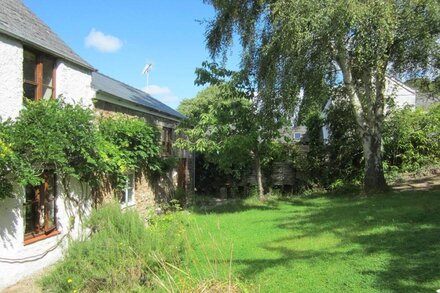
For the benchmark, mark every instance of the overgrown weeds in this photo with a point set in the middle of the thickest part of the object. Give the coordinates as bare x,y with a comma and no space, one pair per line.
123,254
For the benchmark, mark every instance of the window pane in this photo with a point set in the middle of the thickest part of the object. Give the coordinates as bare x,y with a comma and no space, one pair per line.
29,210
48,65
40,206
50,198
130,188
130,181
130,195
123,198
29,66
29,91
47,93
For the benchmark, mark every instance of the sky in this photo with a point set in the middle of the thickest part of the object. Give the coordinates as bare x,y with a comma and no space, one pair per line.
119,37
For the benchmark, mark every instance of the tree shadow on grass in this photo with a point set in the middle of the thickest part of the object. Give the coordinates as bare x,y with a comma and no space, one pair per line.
405,227
231,206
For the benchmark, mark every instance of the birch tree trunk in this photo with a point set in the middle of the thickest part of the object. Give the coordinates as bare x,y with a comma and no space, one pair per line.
369,112
374,179
259,176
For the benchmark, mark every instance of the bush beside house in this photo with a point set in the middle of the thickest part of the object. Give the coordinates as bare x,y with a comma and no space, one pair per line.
51,162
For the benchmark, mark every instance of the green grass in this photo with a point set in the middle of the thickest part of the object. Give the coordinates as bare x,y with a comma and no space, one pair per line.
382,243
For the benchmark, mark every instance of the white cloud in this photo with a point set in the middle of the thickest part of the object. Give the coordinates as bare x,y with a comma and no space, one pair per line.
102,42
157,90
163,94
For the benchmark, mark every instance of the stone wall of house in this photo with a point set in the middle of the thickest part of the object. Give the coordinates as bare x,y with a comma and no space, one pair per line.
149,191
107,109
11,77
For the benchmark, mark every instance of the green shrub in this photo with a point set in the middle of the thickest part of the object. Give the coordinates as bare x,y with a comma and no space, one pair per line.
48,135
121,253
130,144
412,138
345,187
66,138
316,156
345,156
338,161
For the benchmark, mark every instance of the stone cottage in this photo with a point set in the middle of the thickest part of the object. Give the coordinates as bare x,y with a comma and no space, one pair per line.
35,63
112,97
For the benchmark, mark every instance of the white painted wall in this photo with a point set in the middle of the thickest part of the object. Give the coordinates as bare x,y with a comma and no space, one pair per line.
401,93
74,83
11,77
17,260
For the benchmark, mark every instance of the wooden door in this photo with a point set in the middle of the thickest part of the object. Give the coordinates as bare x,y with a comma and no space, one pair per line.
181,174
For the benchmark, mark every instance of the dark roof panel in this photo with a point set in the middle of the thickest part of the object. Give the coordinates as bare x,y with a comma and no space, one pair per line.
18,21
123,91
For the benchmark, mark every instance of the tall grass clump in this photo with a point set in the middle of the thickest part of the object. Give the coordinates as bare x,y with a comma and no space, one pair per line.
122,253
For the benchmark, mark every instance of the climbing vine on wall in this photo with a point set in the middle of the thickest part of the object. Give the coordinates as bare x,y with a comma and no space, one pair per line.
67,138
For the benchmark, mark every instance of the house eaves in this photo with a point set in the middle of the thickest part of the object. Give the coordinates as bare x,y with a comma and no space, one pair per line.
120,93
19,22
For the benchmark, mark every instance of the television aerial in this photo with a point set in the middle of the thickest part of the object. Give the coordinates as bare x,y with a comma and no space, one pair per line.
146,71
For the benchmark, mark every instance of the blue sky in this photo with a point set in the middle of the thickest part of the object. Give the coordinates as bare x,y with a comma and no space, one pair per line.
120,37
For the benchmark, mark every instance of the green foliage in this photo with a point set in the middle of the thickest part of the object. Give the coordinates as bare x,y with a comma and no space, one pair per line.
220,126
6,160
411,138
54,135
339,159
426,86
227,124
128,144
317,155
344,146
49,135
121,253
312,45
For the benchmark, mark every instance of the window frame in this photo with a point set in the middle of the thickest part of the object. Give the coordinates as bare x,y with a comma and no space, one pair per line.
46,231
131,178
167,141
300,136
38,81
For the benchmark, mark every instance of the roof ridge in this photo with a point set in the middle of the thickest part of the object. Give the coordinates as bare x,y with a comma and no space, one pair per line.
22,24
145,99
119,81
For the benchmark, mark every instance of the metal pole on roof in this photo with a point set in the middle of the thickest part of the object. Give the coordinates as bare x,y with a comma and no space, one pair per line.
146,71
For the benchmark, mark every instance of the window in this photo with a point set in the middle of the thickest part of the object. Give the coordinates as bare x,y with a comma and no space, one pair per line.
167,141
38,76
127,194
40,209
297,135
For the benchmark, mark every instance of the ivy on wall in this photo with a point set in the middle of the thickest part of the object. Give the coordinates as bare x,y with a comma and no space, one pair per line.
127,144
67,138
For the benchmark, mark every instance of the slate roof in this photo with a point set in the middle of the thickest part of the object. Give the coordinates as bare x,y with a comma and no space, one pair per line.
19,22
128,93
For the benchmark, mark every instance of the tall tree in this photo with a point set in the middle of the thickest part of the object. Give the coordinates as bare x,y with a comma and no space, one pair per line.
294,44
226,125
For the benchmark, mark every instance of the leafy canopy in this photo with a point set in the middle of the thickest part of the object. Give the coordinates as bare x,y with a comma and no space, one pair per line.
307,44
220,126
66,138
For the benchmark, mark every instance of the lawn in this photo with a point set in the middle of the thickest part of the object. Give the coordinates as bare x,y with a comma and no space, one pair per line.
382,243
